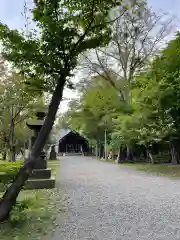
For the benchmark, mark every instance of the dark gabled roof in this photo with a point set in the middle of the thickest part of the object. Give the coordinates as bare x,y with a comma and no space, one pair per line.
65,134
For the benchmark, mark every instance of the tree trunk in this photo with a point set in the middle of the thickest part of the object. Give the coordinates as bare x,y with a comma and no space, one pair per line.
13,149
150,156
13,154
97,149
101,152
4,155
10,196
121,155
145,154
22,151
129,156
5,143
175,152
11,135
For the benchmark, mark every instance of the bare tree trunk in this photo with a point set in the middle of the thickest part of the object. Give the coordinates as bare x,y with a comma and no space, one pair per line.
5,141
150,156
10,196
129,156
13,149
4,155
101,152
22,151
145,154
175,152
173,155
118,156
97,149
121,155
11,135
13,154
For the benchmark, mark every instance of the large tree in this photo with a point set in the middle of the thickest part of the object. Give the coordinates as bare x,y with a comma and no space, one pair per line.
167,72
149,123
137,37
155,101
16,106
92,114
66,29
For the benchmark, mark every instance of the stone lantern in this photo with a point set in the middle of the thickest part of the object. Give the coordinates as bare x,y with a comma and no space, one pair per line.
41,176
53,153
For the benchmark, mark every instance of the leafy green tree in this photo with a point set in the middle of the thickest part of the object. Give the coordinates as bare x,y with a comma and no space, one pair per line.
150,122
153,116
166,70
21,135
66,29
136,38
16,106
92,116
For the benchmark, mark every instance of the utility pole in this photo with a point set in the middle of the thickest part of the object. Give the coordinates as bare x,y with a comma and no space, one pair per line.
105,144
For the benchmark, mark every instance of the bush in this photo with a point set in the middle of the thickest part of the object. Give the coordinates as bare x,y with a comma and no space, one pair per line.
8,172
19,211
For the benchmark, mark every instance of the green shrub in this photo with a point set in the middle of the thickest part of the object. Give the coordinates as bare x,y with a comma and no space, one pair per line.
19,211
8,172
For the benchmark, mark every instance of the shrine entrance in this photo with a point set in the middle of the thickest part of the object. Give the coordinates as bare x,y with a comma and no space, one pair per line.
74,148
73,143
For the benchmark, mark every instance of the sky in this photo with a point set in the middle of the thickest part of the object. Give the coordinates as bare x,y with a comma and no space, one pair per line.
11,14
171,6
10,10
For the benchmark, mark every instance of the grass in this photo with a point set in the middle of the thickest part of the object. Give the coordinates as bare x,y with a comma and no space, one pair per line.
172,171
54,165
109,161
39,219
45,206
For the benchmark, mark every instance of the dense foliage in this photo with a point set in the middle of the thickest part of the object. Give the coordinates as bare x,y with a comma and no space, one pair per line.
16,106
150,124
8,172
47,58
132,95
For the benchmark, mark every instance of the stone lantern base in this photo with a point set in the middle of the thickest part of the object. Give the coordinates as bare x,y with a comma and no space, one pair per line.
39,180
41,176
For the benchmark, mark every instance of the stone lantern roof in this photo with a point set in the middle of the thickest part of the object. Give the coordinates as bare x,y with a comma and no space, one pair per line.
36,124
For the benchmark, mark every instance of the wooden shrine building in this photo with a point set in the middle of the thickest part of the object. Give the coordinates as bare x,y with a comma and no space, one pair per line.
73,143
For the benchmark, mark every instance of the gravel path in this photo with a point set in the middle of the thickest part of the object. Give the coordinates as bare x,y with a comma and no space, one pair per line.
110,202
